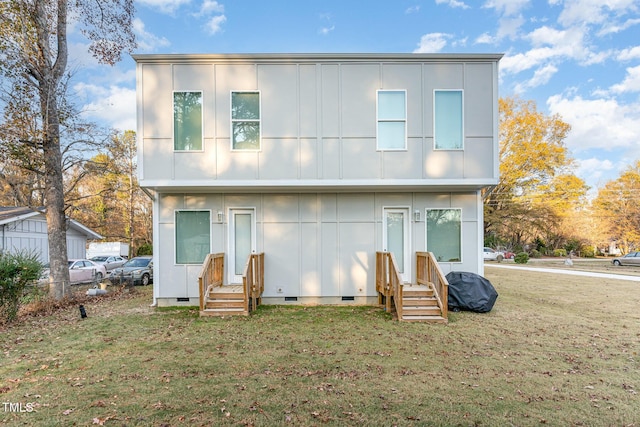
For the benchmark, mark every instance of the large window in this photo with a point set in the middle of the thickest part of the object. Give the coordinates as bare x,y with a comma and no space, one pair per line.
245,120
392,120
193,236
448,119
444,234
187,121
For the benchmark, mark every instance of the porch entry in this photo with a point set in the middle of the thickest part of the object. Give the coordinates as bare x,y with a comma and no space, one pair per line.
395,238
242,240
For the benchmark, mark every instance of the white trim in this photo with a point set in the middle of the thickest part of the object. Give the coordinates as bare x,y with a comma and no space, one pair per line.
405,121
233,278
426,232
173,120
175,234
435,148
232,120
406,211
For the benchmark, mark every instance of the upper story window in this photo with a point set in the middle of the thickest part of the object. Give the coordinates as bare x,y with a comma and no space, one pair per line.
187,121
448,120
245,120
392,120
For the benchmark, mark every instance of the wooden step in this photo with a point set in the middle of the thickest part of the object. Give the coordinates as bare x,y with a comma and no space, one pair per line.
421,311
419,302
225,304
424,318
220,312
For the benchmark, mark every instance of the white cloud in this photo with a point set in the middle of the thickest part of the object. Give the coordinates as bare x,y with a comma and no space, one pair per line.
432,43
326,30
114,106
164,6
598,123
613,29
147,42
631,82
214,25
485,38
629,54
507,7
412,9
211,7
453,3
593,170
593,11
540,77
509,27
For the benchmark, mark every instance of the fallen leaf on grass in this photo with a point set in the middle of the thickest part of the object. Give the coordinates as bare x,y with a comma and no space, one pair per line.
101,421
67,412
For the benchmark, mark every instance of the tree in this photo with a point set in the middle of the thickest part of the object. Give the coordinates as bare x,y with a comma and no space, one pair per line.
33,42
617,207
110,200
537,188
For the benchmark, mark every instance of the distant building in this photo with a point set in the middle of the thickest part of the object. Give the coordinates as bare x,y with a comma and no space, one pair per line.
24,229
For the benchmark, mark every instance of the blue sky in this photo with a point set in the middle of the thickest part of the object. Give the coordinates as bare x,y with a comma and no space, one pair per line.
579,59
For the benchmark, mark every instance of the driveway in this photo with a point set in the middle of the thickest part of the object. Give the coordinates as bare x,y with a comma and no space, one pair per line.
567,271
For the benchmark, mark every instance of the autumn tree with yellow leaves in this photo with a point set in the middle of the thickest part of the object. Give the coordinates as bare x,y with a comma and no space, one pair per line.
538,194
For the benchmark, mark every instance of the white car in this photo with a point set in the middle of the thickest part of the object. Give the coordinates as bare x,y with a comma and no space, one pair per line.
492,255
109,262
81,271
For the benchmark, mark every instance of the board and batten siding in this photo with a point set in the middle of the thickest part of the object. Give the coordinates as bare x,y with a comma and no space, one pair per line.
318,120
318,247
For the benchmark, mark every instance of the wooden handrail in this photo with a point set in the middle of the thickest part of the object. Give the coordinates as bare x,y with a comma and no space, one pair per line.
210,275
253,280
428,273
388,280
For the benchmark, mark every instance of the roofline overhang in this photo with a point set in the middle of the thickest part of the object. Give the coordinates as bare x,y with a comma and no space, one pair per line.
315,57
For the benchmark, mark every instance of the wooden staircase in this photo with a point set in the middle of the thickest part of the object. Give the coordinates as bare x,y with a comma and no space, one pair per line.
419,304
217,299
226,300
424,301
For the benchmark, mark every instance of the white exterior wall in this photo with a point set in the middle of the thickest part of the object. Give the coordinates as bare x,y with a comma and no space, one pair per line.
319,247
318,183
318,121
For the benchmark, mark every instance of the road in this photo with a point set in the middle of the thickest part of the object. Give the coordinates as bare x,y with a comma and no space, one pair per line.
566,271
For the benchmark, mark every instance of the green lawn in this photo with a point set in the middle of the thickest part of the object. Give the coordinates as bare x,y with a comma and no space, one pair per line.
555,350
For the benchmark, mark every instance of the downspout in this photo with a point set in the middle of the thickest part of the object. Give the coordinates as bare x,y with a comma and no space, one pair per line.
156,276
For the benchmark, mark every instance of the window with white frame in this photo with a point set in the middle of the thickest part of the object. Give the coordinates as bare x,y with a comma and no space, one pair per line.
245,120
193,236
392,120
444,234
187,121
448,120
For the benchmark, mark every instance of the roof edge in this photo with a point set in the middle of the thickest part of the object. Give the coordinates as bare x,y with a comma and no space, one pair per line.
313,57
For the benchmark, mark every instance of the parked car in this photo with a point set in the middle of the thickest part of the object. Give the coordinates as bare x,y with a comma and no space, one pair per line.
80,271
492,255
509,255
138,271
109,262
632,258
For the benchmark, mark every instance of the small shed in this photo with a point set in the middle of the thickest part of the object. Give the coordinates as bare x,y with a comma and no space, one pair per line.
25,229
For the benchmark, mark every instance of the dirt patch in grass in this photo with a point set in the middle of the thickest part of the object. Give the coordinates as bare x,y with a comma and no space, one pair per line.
554,350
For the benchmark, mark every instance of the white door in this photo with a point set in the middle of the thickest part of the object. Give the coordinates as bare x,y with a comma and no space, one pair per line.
242,241
395,238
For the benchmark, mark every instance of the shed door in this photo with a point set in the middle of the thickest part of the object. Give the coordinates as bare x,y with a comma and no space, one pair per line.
242,241
395,238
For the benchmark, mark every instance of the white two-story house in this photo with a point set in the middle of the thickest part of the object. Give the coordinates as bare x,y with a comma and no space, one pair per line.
317,160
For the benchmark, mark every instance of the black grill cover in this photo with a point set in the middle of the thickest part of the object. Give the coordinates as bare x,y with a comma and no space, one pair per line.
471,292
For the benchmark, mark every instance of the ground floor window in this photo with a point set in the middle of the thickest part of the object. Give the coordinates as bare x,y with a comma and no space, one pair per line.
444,234
193,236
